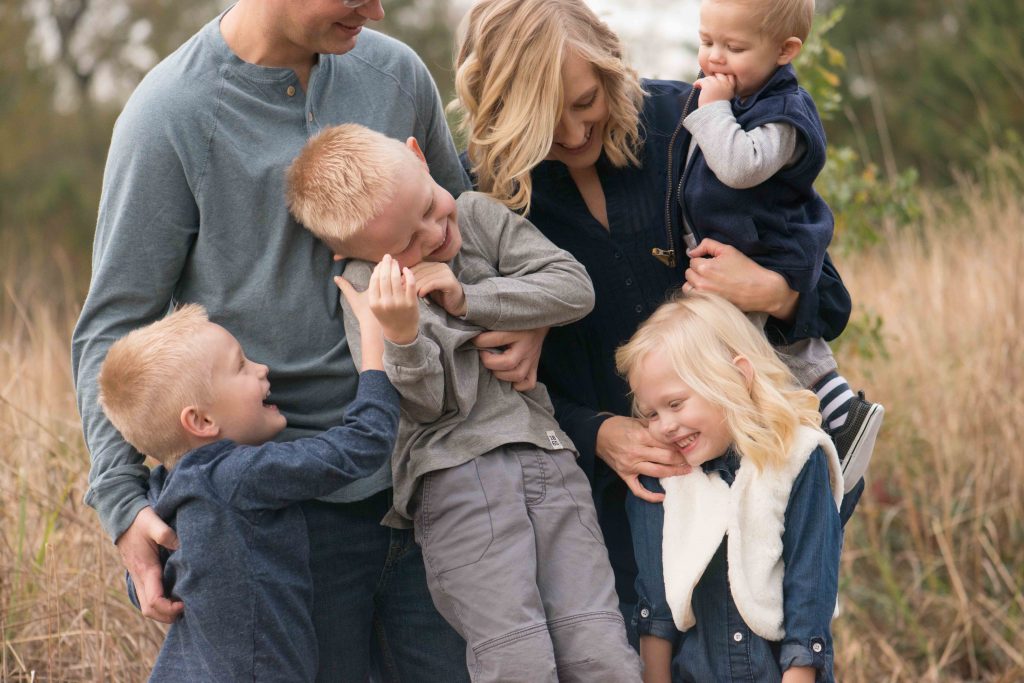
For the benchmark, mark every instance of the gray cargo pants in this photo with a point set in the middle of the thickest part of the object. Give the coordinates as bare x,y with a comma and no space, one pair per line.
517,565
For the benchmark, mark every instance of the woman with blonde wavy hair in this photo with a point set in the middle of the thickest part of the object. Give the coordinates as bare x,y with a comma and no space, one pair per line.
560,128
752,535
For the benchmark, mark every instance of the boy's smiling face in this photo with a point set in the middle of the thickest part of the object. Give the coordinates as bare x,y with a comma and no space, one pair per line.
420,223
239,391
732,44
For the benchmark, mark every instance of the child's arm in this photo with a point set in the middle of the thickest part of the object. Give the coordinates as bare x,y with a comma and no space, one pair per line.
656,656
537,284
742,158
277,474
811,545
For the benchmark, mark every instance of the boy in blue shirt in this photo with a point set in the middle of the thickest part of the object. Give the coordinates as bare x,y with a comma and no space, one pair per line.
182,391
758,145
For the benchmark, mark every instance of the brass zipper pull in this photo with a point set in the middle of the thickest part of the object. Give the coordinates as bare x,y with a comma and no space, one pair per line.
666,256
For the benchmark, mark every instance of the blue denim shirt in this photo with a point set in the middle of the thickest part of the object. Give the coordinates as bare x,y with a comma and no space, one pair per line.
720,647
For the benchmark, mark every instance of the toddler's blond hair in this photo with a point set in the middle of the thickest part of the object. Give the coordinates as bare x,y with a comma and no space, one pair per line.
150,375
780,19
342,179
702,334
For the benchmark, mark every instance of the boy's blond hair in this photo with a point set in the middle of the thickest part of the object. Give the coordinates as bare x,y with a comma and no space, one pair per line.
780,19
342,179
150,375
509,84
702,334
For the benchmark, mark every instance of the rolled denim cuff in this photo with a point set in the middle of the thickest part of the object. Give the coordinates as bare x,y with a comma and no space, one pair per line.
815,653
649,621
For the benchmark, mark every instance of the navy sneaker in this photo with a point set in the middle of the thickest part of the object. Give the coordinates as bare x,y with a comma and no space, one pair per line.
855,440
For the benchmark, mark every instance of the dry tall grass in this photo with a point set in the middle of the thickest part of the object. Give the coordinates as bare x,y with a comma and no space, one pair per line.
934,558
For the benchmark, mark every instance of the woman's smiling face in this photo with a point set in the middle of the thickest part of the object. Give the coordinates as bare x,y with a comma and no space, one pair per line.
578,136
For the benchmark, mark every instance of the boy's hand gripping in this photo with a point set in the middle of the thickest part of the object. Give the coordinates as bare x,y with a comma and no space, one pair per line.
439,282
370,335
393,299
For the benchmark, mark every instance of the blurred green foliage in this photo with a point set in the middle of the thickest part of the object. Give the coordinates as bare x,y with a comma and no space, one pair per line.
862,201
933,84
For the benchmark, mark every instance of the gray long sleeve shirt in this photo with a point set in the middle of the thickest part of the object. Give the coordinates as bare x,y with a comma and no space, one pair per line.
453,408
193,210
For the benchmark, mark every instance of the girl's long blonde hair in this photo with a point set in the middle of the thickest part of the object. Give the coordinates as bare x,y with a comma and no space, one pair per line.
508,81
702,335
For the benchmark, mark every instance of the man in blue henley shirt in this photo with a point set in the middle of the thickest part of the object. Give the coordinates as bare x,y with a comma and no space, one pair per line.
193,210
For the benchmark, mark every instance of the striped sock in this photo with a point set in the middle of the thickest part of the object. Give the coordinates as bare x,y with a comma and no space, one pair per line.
835,395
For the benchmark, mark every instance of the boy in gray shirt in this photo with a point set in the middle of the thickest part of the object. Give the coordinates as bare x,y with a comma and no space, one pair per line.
515,558
182,391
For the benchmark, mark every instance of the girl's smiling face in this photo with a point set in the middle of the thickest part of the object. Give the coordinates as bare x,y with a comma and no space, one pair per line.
676,415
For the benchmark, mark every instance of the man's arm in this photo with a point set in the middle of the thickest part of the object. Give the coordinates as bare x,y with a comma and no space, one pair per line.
147,223
538,284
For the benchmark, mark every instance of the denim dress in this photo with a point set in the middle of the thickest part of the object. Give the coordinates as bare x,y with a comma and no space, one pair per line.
721,647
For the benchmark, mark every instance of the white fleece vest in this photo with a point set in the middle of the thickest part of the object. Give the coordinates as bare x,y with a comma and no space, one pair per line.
701,508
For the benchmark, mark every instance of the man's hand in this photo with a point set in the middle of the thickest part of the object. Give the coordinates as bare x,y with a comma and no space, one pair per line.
392,294
715,88
627,447
724,270
138,549
517,363
439,282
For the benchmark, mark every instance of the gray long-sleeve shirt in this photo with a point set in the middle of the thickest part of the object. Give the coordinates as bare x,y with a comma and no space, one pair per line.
453,408
193,210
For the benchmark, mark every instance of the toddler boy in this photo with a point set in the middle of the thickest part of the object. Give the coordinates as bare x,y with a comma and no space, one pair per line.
182,391
757,147
515,558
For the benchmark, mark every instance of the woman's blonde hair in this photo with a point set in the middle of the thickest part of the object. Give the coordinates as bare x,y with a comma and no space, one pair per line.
509,84
702,335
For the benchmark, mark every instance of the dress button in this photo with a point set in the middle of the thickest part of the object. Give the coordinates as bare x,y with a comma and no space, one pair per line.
638,308
309,117
816,647
738,637
291,91
618,254
629,281
645,613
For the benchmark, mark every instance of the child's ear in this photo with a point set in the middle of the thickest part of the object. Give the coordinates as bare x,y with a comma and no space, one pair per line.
197,423
415,147
790,49
746,368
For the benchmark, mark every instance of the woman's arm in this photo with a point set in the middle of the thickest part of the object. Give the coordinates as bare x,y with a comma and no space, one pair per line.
723,270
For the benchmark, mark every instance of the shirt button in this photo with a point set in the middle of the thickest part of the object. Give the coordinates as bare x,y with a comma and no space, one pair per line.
629,281
638,308
291,91
309,117
618,254
816,647
645,613
738,637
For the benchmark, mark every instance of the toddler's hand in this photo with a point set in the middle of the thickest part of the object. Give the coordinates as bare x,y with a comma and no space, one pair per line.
715,88
370,335
393,300
439,282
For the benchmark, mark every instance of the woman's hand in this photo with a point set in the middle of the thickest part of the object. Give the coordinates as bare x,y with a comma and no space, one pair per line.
517,363
722,269
138,549
627,447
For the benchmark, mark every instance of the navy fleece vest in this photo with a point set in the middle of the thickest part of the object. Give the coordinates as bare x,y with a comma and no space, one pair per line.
783,224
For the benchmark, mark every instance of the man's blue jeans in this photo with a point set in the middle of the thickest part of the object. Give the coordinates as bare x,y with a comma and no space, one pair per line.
371,600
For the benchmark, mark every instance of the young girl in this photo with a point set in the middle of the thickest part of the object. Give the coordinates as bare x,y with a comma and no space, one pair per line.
751,536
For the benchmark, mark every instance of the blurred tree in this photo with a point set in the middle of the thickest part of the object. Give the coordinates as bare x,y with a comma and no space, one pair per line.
935,84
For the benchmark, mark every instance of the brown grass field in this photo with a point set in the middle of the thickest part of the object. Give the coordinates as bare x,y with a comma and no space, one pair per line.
933,567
